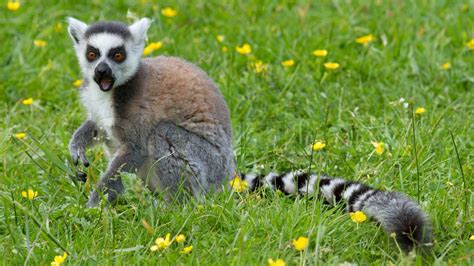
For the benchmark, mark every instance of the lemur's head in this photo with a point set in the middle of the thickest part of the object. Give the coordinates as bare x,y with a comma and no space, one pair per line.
108,52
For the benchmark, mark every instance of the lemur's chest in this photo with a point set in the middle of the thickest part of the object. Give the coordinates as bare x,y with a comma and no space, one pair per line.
99,106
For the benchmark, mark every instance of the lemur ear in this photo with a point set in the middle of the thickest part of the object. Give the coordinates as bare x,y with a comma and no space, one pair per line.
139,29
76,29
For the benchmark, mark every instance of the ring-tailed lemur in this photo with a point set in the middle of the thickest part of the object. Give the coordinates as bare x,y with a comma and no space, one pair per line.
165,119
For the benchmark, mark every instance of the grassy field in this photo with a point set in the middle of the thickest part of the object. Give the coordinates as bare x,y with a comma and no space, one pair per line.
276,115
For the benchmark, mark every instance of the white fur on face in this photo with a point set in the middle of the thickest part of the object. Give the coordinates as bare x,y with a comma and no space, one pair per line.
104,42
122,72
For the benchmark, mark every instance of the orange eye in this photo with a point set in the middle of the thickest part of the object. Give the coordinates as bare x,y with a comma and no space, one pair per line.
91,56
119,57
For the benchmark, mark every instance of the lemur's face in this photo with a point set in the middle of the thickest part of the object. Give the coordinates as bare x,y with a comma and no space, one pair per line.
108,52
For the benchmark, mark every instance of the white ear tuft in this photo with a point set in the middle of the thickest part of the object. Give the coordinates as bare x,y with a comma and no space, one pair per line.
139,29
76,29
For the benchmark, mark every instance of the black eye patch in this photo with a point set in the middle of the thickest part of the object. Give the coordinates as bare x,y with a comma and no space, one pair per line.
92,53
117,54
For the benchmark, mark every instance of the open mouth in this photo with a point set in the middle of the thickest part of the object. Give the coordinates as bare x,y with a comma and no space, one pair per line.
105,84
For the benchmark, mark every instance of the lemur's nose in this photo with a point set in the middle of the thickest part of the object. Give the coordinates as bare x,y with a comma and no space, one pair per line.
102,69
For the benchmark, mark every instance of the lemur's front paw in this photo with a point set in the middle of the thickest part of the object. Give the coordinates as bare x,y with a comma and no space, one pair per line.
78,153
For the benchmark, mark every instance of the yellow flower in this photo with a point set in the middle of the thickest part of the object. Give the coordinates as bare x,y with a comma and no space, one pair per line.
420,110
365,39
13,5
470,44
220,38
320,53
40,43
288,63
331,65
20,135
446,66
161,243
278,262
29,194
471,238
77,83
225,49
358,216
301,243
244,49
180,238
378,147
147,50
169,12
150,48
156,45
238,184
58,260
260,67
186,250
28,101
318,146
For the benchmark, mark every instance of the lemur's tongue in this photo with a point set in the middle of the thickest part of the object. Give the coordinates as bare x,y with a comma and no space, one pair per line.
105,84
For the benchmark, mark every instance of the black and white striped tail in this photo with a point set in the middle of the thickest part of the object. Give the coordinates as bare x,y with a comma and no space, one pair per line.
395,212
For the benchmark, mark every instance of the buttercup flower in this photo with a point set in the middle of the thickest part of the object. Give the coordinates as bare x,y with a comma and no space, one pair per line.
318,146
180,238
161,243
28,101
77,83
446,66
20,135
40,43
471,238
169,12
186,250
245,49
470,44
278,262
220,38
29,194
301,243
379,147
365,39
260,67
239,185
150,48
288,63
331,65
13,5
358,217
58,260
420,110
320,53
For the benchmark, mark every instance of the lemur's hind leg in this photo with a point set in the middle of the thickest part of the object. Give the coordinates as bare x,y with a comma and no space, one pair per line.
126,159
184,159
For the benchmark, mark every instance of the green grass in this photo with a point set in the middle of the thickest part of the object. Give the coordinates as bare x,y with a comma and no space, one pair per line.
275,116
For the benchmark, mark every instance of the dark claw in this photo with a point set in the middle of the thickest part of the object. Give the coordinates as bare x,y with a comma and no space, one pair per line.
81,176
86,163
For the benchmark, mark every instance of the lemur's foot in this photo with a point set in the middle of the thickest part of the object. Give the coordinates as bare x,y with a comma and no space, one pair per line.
113,189
94,200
